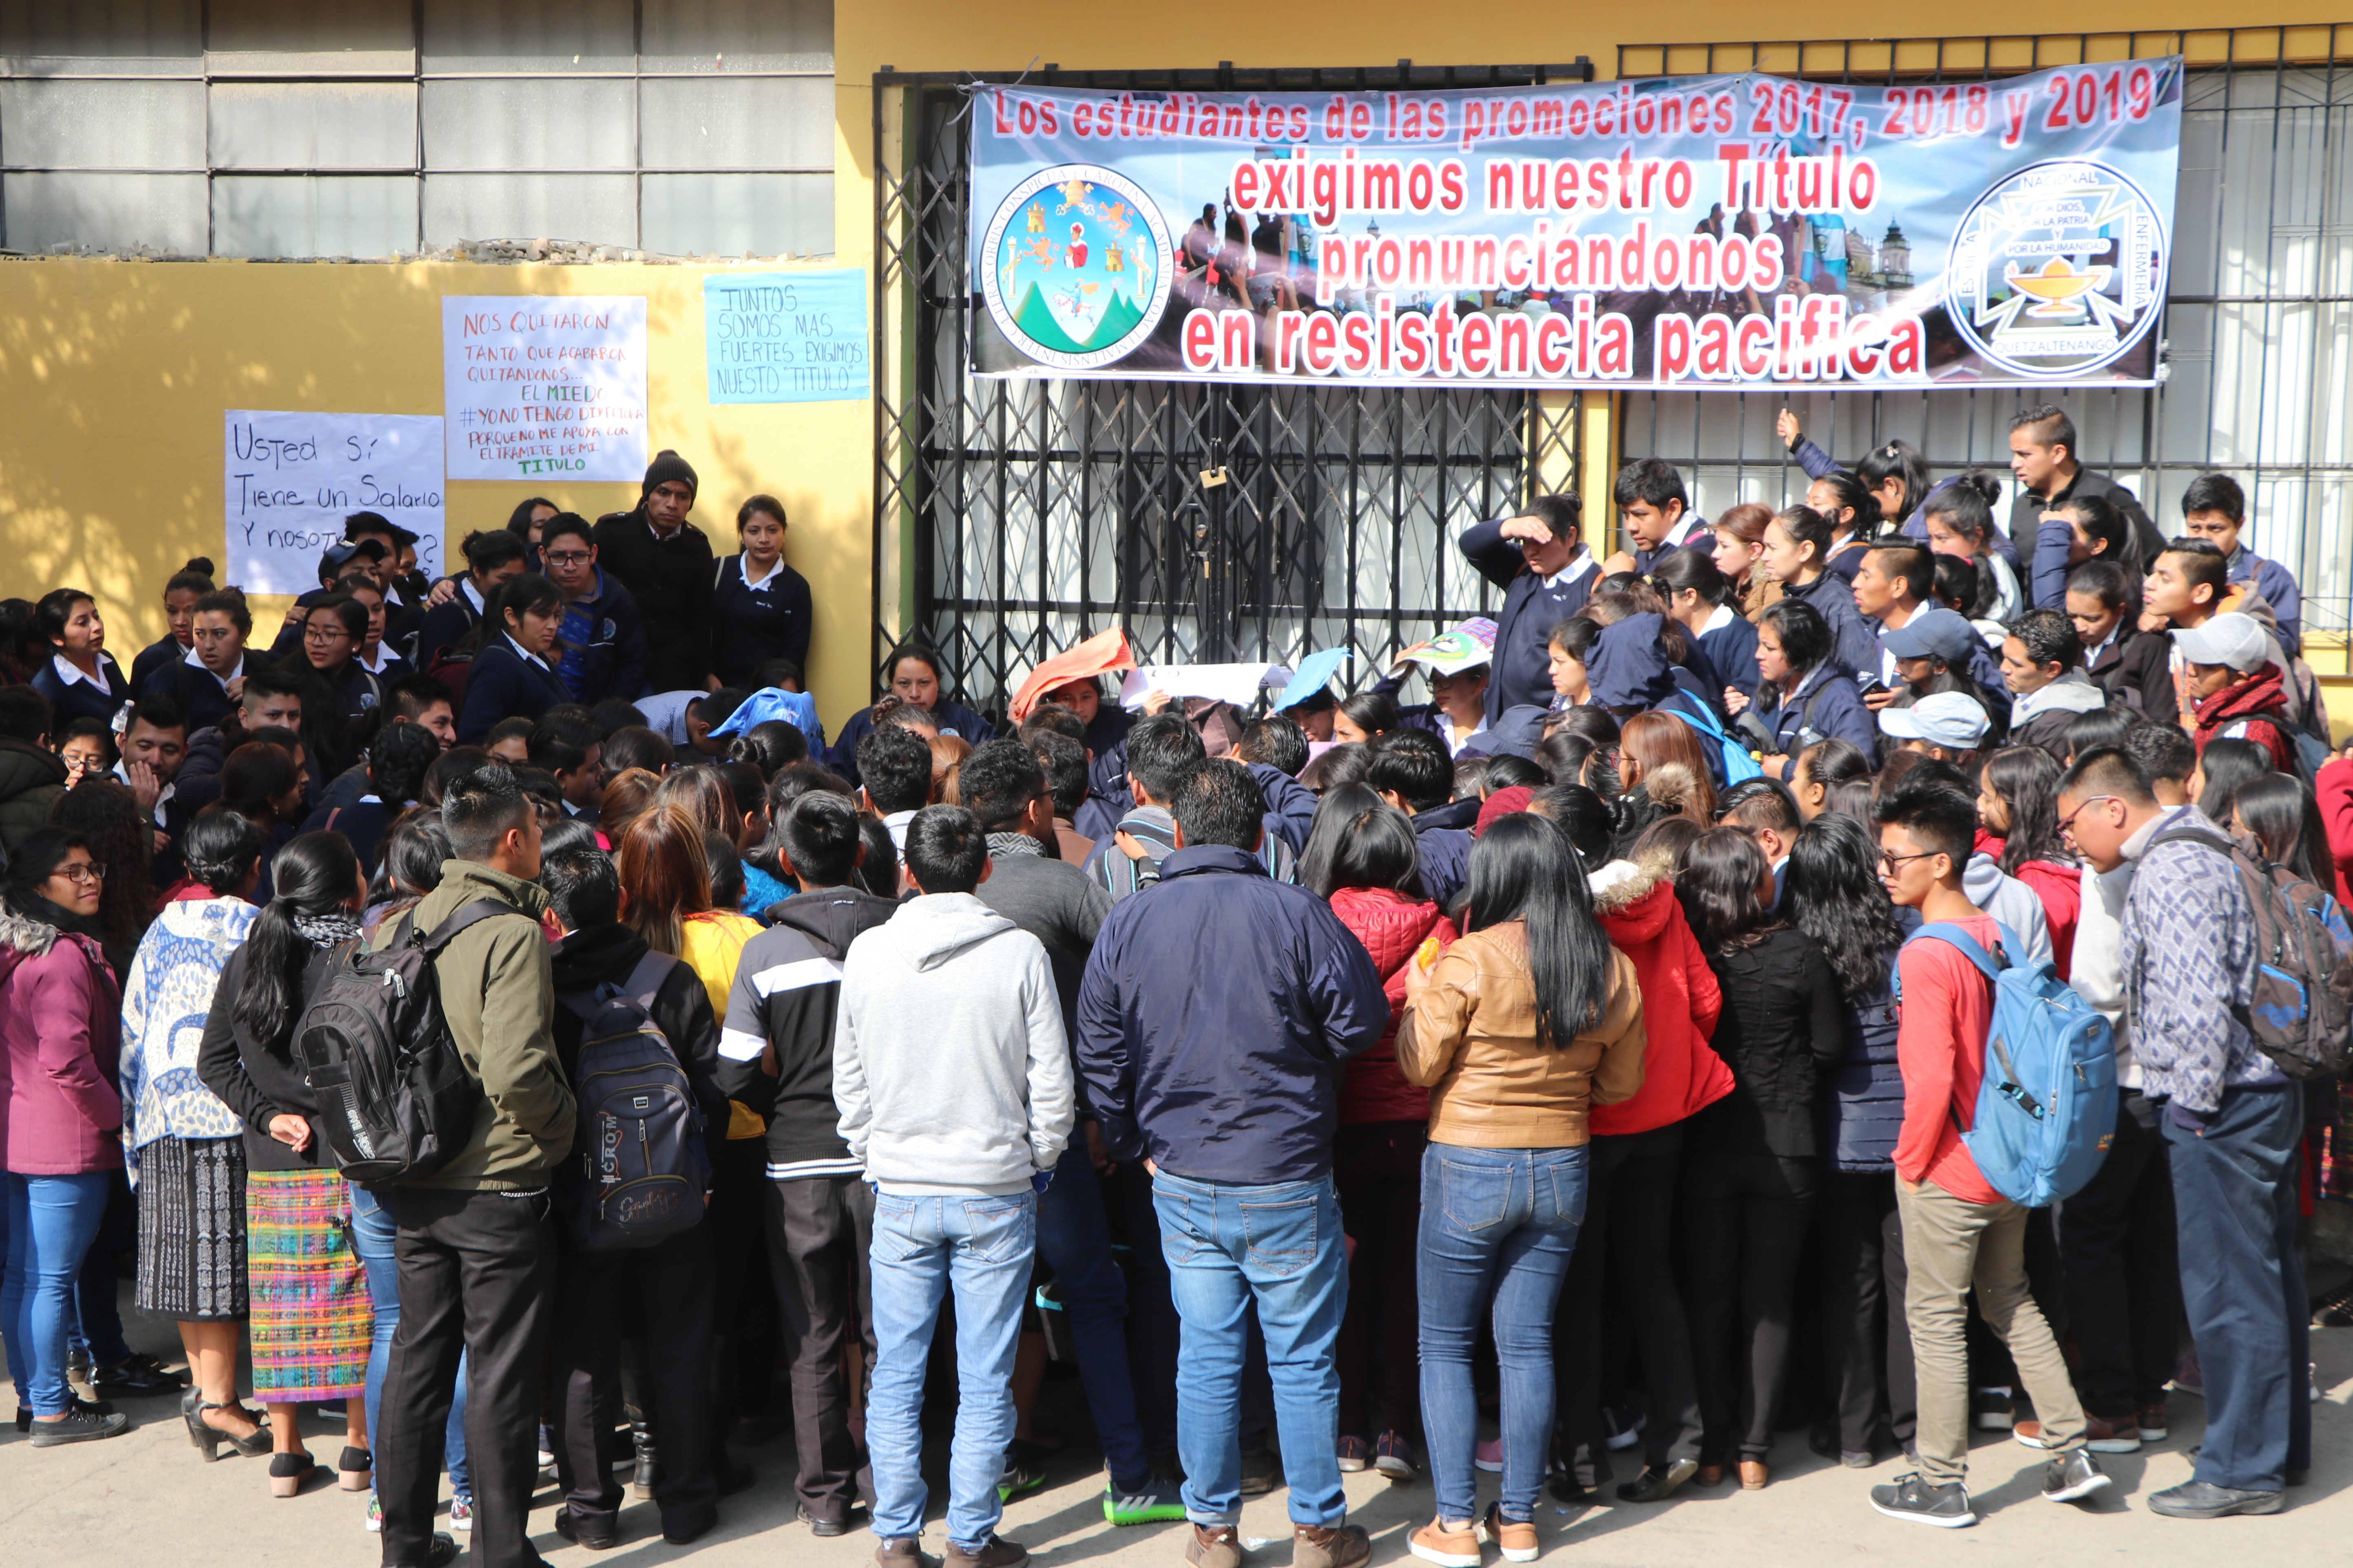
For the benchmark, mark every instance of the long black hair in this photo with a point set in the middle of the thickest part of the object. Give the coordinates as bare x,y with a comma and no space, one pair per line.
1584,816
1359,840
2229,765
1854,495
220,848
1373,712
1525,869
2285,819
1835,897
1897,460
2026,781
528,593
315,874
1719,889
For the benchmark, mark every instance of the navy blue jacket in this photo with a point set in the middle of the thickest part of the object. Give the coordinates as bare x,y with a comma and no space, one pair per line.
1290,805
1861,1096
1441,836
948,716
1731,651
1522,671
505,685
1855,646
69,701
1826,705
611,658
154,657
1217,1018
749,626
194,688
446,625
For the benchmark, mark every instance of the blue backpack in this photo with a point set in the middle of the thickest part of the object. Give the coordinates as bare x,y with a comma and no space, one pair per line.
1733,759
2046,1109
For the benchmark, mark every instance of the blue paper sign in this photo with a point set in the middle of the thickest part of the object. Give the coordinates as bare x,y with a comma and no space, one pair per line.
786,337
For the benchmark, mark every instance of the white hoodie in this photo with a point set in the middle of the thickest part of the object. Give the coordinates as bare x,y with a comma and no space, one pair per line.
950,1068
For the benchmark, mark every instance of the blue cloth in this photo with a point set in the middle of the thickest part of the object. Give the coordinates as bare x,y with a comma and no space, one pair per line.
52,1220
1628,668
761,891
1855,647
1514,733
72,699
2243,1290
196,689
1731,653
797,709
980,1247
604,643
1861,1099
1523,666
1217,1018
97,1330
750,626
1441,838
1074,1241
166,996
1313,675
1290,806
1277,1247
374,1232
1497,1224
1826,704
2277,584
503,684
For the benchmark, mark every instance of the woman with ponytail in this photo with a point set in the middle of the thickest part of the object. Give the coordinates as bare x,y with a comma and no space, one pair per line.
188,585
310,1315
1853,514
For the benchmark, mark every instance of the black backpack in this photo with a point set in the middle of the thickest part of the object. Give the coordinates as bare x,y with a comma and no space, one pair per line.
640,1170
396,1099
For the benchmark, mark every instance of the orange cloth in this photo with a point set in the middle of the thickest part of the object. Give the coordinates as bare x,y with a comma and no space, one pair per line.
1099,655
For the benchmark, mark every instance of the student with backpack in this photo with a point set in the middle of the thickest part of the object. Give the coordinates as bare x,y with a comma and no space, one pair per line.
476,1246
2188,952
1958,1230
630,1227
2233,688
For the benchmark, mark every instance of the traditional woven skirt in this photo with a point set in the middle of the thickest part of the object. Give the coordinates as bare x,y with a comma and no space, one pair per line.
310,1319
192,1230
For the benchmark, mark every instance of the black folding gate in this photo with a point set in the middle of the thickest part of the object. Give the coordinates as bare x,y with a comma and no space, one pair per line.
1015,516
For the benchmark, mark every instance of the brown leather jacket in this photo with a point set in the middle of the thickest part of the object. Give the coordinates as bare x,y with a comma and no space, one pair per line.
1470,1035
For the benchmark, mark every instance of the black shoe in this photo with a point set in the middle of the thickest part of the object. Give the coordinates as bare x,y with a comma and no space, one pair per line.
137,1376
440,1551
1262,1472
642,1480
596,1537
79,1424
693,1530
1823,1438
824,1528
732,1478
1945,1507
1564,1487
2073,1477
1656,1485
2203,1499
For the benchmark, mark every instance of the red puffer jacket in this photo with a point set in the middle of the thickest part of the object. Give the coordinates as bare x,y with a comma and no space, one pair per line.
1636,906
1392,927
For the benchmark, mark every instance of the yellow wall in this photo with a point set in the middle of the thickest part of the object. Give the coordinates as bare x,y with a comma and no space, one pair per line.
113,375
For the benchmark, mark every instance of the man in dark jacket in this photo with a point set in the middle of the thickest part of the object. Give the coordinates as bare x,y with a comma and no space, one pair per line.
1547,575
665,563
1412,772
1003,785
32,779
776,1058
2043,460
597,958
602,636
1215,1021
271,698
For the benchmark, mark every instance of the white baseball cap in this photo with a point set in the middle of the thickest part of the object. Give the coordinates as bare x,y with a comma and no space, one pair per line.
2229,638
1953,719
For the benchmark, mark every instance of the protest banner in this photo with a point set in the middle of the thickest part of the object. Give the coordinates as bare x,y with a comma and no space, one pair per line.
786,337
537,388
1726,232
288,479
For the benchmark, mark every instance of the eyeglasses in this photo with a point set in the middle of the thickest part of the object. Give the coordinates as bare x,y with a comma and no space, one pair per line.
567,557
324,634
1891,861
80,872
2067,823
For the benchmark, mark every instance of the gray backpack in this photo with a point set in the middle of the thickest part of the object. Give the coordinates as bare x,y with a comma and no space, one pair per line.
639,1170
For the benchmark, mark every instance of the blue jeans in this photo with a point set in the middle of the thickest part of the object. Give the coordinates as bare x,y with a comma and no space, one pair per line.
52,1220
980,1247
373,1234
97,1328
1502,1221
1074,1238
1280,1245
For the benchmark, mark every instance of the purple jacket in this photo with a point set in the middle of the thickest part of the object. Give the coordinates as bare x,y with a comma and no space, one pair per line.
60,1045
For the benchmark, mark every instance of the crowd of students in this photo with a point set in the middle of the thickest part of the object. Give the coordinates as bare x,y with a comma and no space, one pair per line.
1559,1047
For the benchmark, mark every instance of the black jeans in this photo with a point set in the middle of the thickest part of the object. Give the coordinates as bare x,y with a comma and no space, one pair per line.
819,1229
1743,1221
1866,1342
477,1272
1626,1252
2123,1268
1377,1166
743,1323
673,1285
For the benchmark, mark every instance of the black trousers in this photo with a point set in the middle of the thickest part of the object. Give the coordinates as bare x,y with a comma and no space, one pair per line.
819,1228
1377,1168
477,1271
743,1322
1626,1252
1743,1230
1866,1342
2123,1268
671,1284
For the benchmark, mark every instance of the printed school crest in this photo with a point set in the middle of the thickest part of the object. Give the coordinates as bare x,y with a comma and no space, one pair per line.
1074,267
2058,269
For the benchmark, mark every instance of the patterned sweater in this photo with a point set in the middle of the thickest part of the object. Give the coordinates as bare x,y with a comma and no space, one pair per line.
165,998
2185,950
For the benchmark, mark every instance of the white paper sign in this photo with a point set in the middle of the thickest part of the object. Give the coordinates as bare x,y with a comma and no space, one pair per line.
534,388
290,480
1235,683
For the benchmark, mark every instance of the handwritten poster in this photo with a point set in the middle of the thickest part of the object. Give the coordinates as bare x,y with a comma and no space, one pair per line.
540,387
290,480
786,337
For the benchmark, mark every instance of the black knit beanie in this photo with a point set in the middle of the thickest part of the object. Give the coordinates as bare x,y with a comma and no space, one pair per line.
668,466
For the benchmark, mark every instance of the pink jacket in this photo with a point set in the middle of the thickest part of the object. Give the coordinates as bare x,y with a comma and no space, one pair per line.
60,1045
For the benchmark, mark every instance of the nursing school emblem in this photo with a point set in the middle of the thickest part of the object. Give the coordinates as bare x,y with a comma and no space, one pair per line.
1075,269
2057,269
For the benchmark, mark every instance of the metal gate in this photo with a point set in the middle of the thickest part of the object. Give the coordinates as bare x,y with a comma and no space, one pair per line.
2258,331
1013,517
